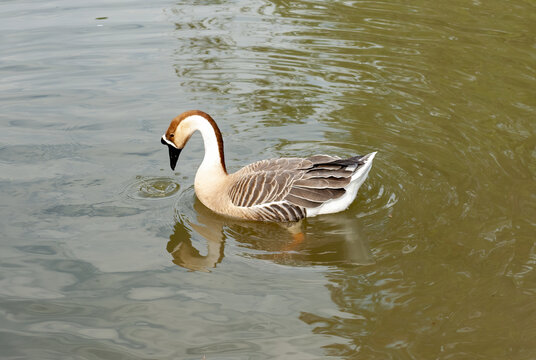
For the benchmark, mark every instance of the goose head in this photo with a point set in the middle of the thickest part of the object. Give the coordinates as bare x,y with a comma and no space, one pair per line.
181,129
175,138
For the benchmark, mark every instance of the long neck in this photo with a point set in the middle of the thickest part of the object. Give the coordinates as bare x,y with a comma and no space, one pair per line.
214,159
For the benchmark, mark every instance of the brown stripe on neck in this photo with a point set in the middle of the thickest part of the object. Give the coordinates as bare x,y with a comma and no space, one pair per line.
217,131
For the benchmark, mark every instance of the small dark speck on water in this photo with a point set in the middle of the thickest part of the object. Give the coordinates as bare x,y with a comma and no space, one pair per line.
102,18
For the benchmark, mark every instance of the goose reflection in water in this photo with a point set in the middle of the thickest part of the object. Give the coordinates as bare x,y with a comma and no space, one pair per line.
327,240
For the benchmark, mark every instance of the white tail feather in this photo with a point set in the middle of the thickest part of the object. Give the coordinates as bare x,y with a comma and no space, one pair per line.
342,203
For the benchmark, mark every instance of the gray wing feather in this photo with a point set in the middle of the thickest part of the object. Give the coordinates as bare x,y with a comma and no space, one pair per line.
316,195
277,165
323,183
325,173
259,188
306,203
282,189
280,212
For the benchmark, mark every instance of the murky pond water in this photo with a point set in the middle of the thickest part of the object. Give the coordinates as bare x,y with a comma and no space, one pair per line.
107,254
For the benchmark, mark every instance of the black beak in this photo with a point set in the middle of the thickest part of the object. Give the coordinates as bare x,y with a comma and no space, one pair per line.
173,154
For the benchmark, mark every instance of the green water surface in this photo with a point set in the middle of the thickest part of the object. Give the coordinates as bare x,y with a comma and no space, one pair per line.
105,253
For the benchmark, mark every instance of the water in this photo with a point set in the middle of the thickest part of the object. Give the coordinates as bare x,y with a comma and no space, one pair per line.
107,254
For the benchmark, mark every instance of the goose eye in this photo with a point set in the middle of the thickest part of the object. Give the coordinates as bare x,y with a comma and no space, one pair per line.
171,135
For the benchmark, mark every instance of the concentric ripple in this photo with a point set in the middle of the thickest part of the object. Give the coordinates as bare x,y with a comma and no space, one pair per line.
145,187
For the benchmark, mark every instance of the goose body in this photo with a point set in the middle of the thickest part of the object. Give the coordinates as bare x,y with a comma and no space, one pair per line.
280,190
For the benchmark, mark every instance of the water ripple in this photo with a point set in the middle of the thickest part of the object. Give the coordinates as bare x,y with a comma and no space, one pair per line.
146,187
440,238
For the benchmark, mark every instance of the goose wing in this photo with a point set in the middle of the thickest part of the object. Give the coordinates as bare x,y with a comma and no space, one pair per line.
325,180
282,189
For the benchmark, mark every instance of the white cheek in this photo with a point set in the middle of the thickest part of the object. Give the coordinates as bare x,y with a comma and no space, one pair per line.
168,142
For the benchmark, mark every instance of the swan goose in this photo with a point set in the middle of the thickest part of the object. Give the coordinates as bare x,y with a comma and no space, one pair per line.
278,190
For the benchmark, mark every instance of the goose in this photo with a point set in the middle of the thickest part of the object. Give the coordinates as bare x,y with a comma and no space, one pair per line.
273,190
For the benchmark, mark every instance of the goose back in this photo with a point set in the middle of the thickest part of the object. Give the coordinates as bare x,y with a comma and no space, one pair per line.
283,189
